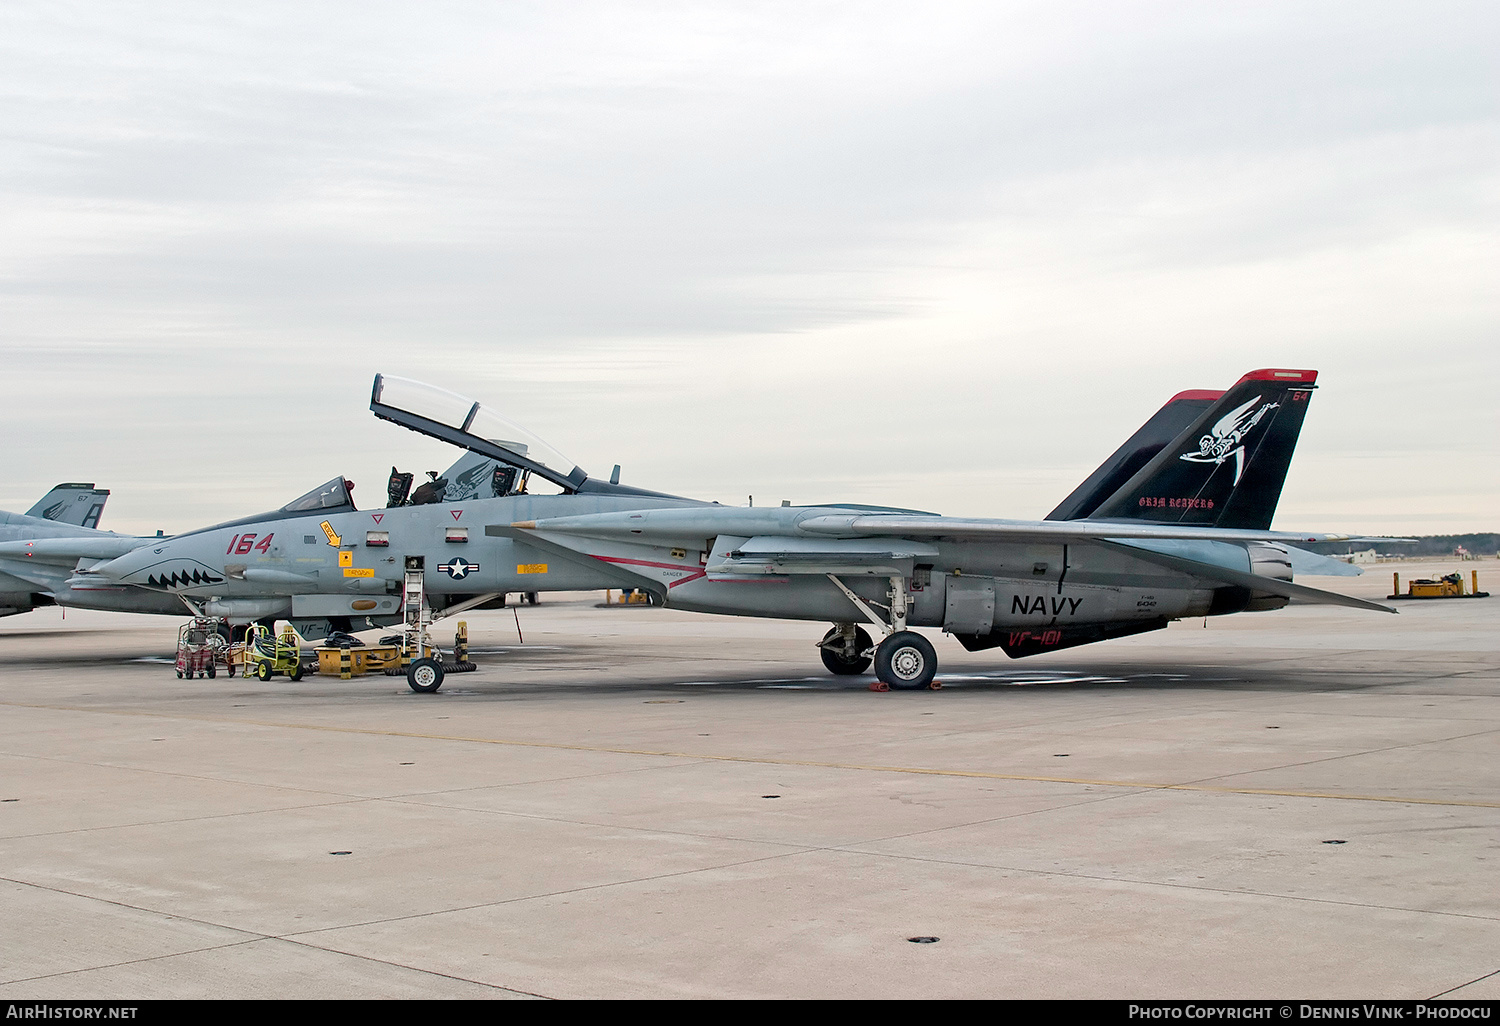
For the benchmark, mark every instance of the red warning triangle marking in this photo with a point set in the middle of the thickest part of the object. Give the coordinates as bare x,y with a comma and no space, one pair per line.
377,516
457,513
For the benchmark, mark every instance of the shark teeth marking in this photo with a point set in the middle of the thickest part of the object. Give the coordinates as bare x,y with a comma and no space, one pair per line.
179,579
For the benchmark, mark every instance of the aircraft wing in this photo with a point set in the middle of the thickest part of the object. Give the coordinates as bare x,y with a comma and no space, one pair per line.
779,555
684,526
623,575
90,546
1059,531
786,541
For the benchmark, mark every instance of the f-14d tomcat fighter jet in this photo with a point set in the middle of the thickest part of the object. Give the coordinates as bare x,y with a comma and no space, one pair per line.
67,517
1175,524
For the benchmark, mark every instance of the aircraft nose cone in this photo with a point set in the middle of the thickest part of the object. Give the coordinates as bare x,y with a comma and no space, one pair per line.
123,566
115,569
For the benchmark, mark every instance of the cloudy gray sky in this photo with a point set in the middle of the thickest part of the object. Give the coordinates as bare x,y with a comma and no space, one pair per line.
944,255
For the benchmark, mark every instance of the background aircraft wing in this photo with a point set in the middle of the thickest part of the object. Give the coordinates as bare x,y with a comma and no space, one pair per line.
54,550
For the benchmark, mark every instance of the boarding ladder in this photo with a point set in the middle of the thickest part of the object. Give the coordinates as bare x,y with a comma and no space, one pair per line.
417,613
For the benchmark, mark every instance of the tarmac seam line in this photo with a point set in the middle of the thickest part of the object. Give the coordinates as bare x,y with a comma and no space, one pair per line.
766,761
1461,986
1174,886
800,850
253,937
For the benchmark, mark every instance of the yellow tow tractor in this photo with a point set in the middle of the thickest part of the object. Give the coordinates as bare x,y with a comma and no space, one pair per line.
1446,586
271,654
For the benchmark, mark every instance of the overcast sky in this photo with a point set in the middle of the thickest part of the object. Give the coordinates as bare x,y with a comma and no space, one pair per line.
940,255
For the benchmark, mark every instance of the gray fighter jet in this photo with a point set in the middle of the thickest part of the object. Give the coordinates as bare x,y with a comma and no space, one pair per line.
41,549
1175,524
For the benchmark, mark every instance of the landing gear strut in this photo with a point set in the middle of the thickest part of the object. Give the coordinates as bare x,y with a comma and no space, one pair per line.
904,660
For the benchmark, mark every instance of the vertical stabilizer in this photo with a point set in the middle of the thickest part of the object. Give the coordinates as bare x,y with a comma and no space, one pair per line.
1227,467
1165,425
72,503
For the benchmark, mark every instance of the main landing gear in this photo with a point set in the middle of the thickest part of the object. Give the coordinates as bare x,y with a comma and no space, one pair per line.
846,650
904,659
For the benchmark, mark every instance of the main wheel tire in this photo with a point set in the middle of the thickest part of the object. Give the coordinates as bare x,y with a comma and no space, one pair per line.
425,675
263,671
835,658
906,660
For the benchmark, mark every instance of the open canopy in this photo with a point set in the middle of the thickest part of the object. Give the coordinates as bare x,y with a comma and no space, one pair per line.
461,421
454,418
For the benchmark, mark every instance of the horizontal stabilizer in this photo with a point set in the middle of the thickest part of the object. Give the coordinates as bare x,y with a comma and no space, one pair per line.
1313,564
1255,582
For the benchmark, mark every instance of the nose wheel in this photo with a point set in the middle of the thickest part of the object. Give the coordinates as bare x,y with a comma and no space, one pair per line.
425,675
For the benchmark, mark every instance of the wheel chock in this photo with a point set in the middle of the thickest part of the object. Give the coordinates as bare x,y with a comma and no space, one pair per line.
879,685
934,686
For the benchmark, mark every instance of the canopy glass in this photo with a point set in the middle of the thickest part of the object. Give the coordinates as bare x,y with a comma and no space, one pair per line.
472,420
330,495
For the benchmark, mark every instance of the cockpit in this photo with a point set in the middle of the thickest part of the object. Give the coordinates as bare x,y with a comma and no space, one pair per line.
331,496
335,496
473,477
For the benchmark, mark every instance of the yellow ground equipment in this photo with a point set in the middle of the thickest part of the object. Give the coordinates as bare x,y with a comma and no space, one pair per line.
628,597
363,660
1447,586
270,654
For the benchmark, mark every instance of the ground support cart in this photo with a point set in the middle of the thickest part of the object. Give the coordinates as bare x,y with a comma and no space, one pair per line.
200,647
267,654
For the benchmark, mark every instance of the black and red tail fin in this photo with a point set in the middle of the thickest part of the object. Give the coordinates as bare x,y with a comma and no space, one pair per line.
1226,468
1165,425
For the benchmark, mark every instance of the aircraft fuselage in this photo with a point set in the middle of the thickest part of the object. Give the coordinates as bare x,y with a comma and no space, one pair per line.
352,564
